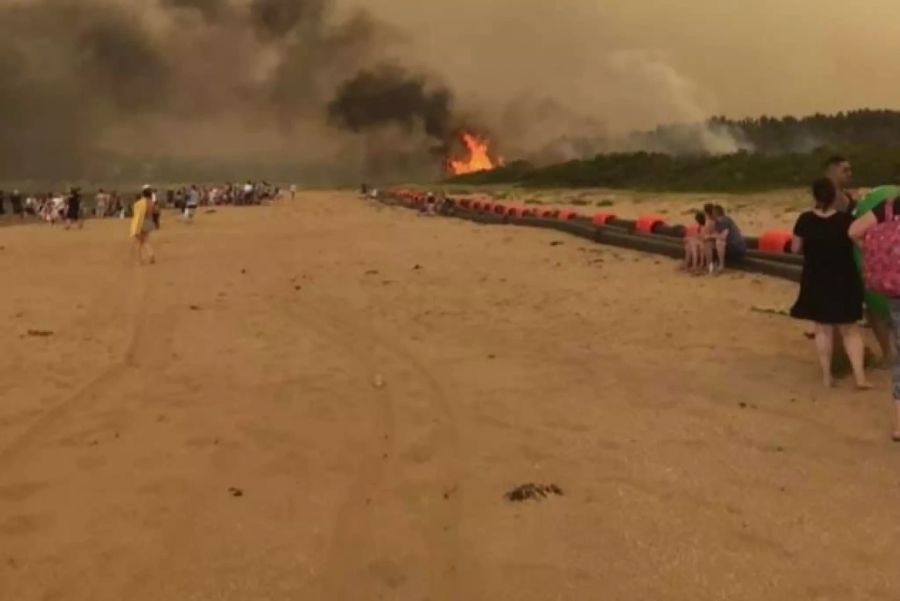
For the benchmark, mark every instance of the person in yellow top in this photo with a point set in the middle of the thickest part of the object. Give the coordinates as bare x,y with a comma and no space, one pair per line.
142,225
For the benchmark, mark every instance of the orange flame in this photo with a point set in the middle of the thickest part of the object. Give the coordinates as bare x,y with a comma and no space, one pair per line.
479,156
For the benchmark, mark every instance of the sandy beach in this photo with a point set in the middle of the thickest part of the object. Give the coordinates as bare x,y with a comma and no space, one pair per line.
327,399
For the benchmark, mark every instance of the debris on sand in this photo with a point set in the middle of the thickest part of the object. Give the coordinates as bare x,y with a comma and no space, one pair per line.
378,381
556,243
372,272
195,308
533,492
40,333
209,211
771,311
235,492
417,267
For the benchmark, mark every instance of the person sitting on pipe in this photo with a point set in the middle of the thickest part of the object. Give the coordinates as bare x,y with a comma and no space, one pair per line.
726,241
694,257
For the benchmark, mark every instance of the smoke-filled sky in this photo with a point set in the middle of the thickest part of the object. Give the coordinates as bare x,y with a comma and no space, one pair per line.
737,58
381,84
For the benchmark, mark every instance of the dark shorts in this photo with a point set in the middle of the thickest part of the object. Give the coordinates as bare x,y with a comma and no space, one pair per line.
735,253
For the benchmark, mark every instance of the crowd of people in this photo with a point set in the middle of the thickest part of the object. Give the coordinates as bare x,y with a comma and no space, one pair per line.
68,207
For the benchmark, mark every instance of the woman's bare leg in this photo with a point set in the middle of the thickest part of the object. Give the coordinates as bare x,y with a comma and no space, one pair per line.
856,352
884,335
720,250
825,348
709,249
151,256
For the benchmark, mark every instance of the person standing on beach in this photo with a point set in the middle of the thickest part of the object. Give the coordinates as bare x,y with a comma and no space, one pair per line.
18,208
840,172
73,209
883,225
831,291
142,225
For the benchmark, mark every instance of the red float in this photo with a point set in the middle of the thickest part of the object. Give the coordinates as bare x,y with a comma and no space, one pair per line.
566,215
646,223
548,213
602,218
776,242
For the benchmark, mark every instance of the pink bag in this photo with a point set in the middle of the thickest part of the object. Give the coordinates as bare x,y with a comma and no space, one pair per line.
881,255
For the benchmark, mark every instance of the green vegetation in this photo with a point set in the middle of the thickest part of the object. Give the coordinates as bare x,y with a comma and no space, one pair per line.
786,152
739,172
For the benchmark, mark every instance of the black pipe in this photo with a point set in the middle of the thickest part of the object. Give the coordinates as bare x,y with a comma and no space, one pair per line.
783,266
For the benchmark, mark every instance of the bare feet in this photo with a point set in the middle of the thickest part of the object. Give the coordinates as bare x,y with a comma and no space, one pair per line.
828,381
864,385
895,436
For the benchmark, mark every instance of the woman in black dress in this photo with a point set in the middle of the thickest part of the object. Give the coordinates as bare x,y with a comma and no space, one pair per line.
831,290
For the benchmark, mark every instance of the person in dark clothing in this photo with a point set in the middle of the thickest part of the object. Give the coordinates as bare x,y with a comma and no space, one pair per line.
2,197
73,209
18,208
831,291
726,242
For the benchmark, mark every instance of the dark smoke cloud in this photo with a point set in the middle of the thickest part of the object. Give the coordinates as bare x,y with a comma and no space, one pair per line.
280,17
80,79
121,59
211,10
388,95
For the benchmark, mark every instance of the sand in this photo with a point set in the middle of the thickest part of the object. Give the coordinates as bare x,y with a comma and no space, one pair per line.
328,400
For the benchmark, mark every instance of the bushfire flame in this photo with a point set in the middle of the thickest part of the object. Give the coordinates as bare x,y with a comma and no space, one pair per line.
479,158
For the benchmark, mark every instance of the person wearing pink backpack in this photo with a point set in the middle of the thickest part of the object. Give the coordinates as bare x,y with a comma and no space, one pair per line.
878,231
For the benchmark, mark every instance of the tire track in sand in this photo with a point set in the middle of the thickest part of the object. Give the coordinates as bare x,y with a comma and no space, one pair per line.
416,456
134,303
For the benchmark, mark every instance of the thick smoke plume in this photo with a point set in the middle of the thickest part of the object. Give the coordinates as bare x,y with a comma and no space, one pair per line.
389,96
87,85
340,88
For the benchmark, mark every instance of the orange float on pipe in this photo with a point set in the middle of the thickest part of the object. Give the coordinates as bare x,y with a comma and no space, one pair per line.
776,242
566,215
465,203
515,212
500,209
646,223
602,218
548,213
